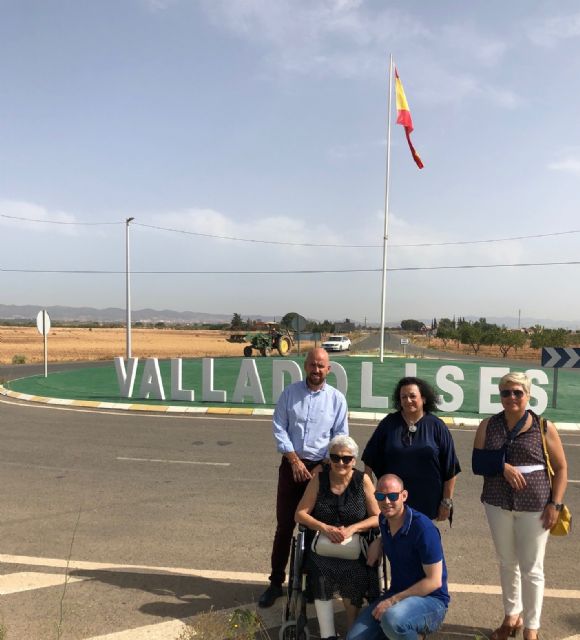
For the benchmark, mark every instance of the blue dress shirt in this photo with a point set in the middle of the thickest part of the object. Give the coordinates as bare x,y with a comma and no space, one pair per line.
305,421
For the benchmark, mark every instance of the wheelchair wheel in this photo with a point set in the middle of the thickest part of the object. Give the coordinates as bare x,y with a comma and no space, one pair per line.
290,631
296,625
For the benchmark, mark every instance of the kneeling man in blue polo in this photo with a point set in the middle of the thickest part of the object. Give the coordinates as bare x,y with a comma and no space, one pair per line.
416,602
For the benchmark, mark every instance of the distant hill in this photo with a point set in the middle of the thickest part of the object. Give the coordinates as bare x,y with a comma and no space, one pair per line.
112,314
115,314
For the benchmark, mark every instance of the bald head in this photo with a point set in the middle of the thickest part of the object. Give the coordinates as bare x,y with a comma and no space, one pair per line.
316,366
392,481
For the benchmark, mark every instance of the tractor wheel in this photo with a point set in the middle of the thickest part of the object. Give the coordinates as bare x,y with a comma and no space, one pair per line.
264,352
248,351
284,345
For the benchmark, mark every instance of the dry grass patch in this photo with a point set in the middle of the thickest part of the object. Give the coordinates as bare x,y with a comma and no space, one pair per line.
73,344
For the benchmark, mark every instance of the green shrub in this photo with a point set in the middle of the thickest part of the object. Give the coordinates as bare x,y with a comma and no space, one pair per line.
18,359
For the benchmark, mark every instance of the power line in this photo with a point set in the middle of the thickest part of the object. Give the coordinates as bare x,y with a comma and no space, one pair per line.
354,246
303,244
294,272
88,224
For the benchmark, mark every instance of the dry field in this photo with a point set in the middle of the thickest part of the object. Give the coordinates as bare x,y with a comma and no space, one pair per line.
71,344
485,351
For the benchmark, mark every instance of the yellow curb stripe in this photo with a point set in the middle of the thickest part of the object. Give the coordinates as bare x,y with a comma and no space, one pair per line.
86,403
247,411
220,410
146,407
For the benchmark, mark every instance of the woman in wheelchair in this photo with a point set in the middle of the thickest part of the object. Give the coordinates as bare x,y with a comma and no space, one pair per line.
339,505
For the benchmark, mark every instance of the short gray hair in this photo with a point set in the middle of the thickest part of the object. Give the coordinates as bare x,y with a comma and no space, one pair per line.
344,442
516,377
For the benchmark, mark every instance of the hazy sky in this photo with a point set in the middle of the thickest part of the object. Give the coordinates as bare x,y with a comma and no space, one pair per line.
265,120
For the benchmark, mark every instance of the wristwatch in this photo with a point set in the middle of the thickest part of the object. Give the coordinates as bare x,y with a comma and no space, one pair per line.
557,505
447,503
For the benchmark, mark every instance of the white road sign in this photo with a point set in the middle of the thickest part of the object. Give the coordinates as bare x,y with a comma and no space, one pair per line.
43,322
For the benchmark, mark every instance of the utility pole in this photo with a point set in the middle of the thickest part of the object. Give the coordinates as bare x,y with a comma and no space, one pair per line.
128,285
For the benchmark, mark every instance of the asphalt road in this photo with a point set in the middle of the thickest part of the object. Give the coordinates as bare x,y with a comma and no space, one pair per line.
193,493
14,371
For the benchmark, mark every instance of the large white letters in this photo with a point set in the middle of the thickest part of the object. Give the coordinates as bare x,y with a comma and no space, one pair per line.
248,386
208,393
151,383
410,369
341,377
177,390
488,379
538,394
367,400
248,383
126,379
448,386
279,368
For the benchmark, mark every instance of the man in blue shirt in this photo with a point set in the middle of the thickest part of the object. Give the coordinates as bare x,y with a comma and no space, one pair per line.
308,415
416,602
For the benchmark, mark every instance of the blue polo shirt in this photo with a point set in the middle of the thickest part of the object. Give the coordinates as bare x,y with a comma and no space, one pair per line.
416,543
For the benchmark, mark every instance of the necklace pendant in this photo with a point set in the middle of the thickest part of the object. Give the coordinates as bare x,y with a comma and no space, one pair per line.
412,428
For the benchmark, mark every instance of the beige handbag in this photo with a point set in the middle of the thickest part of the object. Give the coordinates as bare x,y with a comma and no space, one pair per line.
349,549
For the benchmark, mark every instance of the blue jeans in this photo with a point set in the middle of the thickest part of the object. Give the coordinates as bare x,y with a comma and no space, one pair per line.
402,621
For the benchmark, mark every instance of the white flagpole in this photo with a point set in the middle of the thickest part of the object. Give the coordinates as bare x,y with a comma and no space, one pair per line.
128,288
386,230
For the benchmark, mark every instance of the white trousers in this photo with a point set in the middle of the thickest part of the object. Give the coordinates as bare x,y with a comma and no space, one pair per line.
520,544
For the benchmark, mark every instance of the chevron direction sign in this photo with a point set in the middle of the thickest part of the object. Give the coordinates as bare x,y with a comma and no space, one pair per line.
560,358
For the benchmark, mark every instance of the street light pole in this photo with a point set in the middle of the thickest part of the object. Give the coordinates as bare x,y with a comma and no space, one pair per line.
128,286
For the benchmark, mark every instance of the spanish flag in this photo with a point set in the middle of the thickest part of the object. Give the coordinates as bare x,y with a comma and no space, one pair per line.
404,117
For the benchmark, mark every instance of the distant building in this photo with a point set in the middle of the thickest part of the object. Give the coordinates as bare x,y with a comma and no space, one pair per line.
344,327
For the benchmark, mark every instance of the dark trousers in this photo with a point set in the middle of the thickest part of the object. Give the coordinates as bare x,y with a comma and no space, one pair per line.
289,495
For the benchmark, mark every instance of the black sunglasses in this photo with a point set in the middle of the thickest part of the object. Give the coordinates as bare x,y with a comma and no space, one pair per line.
393,496
507,393
334,457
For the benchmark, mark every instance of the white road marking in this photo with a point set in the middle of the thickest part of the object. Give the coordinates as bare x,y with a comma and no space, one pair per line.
226,576
30,580
160,631
211,464
492,589
170,630
234,576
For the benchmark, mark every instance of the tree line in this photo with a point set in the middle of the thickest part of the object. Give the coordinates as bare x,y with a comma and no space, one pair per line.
239,324
480,332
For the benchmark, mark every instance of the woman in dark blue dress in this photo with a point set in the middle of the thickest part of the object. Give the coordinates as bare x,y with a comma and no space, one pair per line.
417,446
